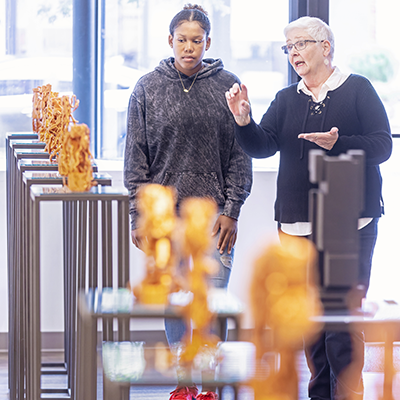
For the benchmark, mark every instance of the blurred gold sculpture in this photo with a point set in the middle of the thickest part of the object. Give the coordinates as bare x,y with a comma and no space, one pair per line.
75,159
157,221
197,218
283,298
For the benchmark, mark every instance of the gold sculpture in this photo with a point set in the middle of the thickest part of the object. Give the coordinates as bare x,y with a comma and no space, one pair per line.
283,298
75,159
198,215
157,221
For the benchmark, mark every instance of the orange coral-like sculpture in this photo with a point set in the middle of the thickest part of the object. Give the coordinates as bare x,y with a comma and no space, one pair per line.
198,215
59,116
157,221
51,117
284,298
41,96
75,159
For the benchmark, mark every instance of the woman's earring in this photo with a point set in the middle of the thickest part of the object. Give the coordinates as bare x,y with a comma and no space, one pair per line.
326,61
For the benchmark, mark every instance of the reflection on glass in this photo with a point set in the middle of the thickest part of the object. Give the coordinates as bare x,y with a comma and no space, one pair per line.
116,300
123,361
237,361
46,175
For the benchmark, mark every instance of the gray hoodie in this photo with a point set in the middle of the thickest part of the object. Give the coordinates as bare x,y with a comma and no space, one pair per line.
186,140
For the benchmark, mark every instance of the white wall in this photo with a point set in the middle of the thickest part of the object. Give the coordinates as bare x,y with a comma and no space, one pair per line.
256,226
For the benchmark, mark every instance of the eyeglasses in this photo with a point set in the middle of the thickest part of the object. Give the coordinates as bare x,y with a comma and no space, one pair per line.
299,46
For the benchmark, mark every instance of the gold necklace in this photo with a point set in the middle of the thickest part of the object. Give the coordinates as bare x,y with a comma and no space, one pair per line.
184,89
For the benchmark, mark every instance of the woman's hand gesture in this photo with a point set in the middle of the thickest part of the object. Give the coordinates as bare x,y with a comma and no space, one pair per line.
238,103
326,140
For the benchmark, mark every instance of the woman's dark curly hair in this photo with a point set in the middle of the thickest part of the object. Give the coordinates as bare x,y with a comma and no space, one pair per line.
191,12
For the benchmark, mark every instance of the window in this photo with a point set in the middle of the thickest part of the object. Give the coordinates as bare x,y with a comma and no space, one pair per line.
247,39
35,49
364,36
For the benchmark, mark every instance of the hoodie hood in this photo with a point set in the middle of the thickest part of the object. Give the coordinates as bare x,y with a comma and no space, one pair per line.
168,70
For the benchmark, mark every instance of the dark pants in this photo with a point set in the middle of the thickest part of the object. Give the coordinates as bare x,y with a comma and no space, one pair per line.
336,359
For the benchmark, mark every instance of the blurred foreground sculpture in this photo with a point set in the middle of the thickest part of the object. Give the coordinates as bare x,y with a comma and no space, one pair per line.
198,215
157,221
283,298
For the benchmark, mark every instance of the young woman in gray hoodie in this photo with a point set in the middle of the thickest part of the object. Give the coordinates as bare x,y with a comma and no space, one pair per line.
181,133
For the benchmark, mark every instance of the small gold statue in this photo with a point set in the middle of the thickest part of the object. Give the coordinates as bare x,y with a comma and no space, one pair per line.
198,215
157,221
75,159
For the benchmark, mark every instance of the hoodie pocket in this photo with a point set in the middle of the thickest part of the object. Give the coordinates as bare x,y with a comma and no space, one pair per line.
190,184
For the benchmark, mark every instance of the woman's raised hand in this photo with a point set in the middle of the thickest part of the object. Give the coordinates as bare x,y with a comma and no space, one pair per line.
238,103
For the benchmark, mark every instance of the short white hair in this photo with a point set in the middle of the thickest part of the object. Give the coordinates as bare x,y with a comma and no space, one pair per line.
316,28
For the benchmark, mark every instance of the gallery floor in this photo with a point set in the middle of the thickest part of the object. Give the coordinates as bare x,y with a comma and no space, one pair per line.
373,379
